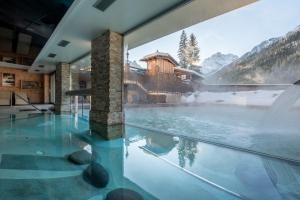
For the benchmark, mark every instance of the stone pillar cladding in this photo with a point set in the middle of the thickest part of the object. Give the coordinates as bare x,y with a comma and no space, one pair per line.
106,115
62,85
46,88
75,81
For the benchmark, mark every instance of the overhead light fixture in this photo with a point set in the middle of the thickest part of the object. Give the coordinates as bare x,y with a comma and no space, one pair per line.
103,4
63,43
51,55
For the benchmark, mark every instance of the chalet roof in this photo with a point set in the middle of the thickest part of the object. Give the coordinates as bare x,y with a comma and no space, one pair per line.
135,67
134,64
158,54
139,71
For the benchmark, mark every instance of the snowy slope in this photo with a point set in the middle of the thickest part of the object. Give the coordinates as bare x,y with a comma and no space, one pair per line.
261,46
273,61
216,62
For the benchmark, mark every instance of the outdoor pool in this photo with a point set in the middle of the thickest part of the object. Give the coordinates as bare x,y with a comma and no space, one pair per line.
246,128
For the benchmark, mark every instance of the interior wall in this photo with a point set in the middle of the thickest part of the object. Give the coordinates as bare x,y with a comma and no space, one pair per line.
35,95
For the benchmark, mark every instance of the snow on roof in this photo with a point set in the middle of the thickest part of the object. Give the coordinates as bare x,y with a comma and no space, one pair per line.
161,55
134,64
189,71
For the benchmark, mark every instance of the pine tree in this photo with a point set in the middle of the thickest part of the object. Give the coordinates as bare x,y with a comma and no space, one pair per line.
182,51
193,51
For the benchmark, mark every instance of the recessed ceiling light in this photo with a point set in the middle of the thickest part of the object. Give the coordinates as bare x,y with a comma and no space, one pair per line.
63,43
103,4
51,55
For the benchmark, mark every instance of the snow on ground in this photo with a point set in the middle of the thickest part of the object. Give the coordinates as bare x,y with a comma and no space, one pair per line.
243,98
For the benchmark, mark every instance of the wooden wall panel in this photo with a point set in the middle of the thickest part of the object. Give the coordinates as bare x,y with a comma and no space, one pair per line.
35,95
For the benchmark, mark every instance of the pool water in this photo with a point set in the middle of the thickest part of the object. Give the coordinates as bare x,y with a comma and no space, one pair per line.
154,164
248,128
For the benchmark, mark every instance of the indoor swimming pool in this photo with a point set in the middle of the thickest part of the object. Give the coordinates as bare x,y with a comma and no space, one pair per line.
33,164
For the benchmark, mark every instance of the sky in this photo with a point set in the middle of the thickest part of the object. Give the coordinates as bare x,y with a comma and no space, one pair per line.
234,32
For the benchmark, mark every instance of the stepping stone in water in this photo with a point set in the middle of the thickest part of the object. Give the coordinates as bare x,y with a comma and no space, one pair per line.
123,194
96,175
80,157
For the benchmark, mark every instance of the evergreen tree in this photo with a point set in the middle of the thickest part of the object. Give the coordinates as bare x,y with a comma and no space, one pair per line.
193,51
181,153
188,52
182,51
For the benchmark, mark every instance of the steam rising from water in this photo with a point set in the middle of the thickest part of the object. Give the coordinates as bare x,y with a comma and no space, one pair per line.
239,98
286,100
279,111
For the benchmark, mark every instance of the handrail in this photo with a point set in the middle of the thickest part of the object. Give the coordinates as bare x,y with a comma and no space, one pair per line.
82,92
30,103
136,83
150,92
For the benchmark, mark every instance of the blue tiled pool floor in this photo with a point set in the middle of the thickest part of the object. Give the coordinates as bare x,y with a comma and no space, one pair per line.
158,166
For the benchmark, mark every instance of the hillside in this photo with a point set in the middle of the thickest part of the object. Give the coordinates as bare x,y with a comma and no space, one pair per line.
274,61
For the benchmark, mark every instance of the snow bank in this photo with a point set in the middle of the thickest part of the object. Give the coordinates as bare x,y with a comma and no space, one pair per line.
244,98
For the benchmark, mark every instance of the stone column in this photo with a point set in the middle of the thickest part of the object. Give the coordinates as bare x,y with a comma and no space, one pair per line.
75,81
62,85
46,88
106,115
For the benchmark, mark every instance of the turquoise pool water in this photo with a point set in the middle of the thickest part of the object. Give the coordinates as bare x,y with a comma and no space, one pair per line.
157,165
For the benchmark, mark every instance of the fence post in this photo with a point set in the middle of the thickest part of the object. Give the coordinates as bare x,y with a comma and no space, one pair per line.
76,104
11,103
82,106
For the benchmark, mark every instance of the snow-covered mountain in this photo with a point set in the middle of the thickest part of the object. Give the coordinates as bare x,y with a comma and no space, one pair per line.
274,61
261,46
216,62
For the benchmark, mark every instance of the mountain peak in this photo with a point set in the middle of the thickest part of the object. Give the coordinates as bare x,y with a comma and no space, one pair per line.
273,61
295,31
263,45
217,61
297,28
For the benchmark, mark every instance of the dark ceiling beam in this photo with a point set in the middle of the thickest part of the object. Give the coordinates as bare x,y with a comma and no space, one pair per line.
36,5
15,41
37,18
20,29
37,40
